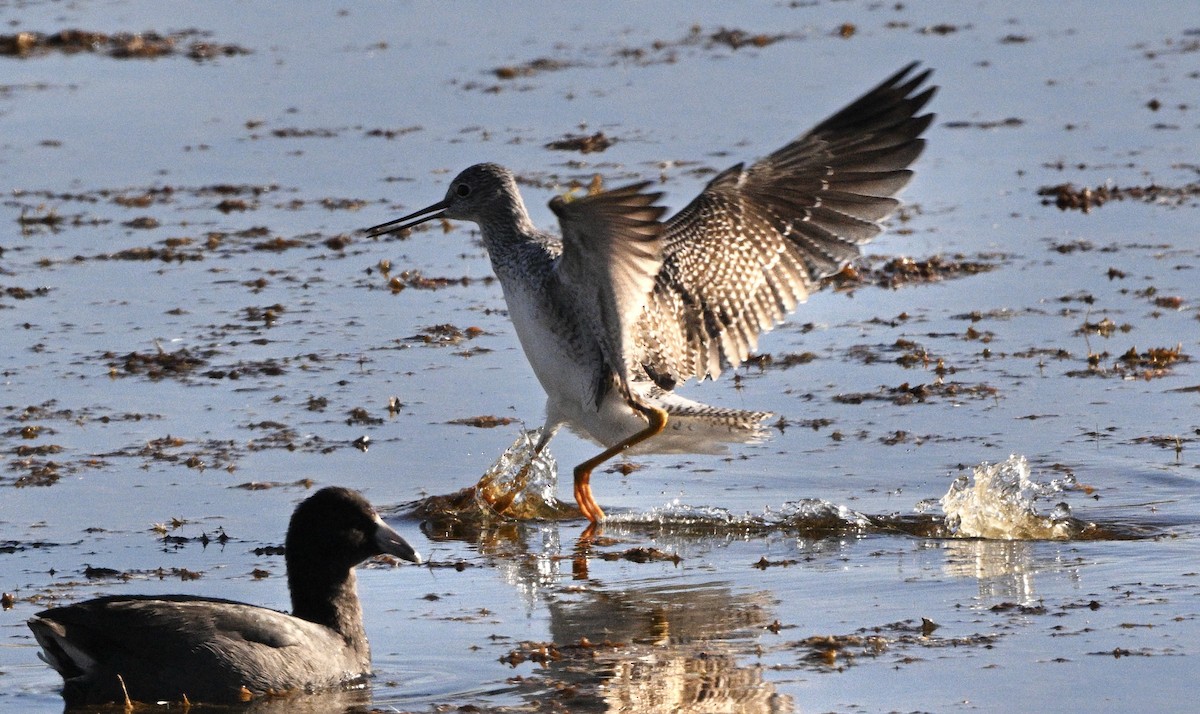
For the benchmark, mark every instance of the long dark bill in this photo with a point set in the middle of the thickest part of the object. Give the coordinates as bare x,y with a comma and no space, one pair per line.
412,219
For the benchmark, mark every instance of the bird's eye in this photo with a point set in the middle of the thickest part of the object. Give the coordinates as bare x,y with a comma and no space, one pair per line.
463,190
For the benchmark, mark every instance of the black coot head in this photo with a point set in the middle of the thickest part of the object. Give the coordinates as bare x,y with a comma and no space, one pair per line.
339,528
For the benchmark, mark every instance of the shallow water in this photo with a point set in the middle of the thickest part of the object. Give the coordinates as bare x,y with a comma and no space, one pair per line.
189,376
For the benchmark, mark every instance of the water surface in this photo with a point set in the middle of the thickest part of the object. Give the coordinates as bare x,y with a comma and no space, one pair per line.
196,333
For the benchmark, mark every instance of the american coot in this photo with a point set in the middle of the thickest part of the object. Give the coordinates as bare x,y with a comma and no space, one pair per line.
209,650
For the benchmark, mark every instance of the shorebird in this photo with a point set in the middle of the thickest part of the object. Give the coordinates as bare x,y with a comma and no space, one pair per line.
624,307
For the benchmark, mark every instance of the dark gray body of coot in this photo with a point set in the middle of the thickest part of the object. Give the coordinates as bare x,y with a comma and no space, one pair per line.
170,648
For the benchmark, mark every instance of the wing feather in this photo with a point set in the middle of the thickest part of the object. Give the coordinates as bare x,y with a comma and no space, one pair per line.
756,241
611,253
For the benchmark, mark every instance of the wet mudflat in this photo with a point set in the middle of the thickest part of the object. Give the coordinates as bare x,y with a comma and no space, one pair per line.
196,334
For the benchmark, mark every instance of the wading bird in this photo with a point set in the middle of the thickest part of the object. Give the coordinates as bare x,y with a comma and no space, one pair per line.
625,306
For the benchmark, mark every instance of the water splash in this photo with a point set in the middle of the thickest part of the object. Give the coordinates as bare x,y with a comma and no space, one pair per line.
999,501
994,502
519,486
809,517
521,482
816,513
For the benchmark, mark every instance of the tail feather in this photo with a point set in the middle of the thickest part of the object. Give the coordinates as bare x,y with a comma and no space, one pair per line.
702,428
58,651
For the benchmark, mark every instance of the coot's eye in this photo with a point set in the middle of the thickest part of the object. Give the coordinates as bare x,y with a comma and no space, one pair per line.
463,190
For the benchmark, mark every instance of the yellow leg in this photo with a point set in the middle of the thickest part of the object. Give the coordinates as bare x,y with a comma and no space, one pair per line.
657,419
583,550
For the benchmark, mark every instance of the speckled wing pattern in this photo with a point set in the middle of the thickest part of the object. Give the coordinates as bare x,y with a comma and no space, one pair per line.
754,243
611,254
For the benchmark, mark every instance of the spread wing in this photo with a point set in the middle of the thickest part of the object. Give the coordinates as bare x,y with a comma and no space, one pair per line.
611,253
754,243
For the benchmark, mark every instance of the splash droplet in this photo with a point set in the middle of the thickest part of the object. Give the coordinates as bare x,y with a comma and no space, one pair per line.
999,502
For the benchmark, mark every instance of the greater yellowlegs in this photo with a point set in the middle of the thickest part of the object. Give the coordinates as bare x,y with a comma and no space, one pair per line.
624,307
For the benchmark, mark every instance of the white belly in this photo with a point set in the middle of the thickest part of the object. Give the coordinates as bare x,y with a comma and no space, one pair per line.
568,370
